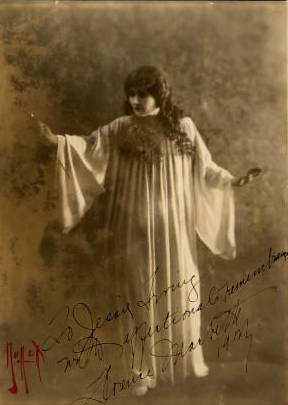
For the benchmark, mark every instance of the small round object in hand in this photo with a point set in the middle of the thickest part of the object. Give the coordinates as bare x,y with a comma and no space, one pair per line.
249,176
254,172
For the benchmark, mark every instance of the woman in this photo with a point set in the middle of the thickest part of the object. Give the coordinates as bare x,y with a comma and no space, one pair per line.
161,189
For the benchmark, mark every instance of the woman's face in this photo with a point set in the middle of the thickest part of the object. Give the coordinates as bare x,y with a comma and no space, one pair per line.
142,103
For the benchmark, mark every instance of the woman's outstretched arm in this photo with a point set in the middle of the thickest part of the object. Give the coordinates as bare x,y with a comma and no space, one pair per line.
45,132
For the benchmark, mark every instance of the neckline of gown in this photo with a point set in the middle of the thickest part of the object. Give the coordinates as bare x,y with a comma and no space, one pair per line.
149,121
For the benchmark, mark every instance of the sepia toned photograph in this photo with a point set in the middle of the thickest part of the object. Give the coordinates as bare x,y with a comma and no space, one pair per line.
144,193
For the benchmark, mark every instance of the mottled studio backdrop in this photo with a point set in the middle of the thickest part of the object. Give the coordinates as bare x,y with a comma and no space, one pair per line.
67,63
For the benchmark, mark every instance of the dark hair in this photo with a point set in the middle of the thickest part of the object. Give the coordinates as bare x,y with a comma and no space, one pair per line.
151,80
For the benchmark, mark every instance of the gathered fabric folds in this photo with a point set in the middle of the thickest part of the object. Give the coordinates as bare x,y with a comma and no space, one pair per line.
154,209
81,173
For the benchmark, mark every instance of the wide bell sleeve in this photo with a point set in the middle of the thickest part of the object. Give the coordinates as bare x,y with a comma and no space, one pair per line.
214,200
81,167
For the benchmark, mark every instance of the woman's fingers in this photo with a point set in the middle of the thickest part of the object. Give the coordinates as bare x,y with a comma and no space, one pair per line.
46,132
31,115
43,129
242,181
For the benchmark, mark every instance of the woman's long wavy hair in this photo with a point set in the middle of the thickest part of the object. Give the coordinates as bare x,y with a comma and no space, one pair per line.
149,80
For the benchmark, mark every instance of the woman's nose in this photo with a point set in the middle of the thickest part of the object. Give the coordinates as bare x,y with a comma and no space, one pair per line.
134,99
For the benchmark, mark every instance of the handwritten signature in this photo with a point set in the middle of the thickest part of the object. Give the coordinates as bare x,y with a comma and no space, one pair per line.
227,328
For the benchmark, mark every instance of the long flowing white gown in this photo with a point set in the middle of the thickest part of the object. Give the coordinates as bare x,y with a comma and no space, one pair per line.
154,209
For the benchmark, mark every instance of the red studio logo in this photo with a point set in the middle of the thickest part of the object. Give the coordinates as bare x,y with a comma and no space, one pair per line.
17,362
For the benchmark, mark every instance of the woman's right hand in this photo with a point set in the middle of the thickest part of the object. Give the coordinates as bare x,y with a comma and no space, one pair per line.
45,132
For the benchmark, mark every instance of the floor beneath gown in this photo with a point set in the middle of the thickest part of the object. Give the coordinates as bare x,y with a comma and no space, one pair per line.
227,384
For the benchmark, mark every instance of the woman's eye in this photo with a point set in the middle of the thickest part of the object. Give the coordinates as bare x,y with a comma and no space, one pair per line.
142,94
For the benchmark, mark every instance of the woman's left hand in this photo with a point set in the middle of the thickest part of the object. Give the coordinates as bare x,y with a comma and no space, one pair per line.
241,181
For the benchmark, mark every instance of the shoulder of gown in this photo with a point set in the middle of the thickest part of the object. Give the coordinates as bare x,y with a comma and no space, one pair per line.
187,125
113,126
